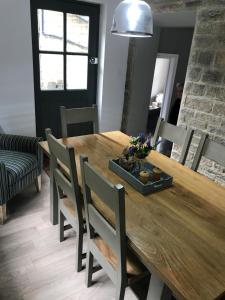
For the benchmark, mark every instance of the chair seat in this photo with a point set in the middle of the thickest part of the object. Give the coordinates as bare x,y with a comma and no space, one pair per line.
134,266
18,164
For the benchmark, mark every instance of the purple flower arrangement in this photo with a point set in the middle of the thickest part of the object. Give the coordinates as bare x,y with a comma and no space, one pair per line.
139,148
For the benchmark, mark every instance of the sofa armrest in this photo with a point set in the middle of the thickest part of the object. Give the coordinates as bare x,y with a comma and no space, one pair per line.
22,144
4,186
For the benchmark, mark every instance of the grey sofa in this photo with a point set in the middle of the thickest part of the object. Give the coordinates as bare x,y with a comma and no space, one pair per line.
20,165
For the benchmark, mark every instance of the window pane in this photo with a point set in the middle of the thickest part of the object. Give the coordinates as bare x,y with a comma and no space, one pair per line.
50,29
77,33
77,70
51,72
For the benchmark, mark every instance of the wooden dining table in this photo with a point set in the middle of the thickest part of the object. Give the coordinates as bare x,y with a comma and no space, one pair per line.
178,233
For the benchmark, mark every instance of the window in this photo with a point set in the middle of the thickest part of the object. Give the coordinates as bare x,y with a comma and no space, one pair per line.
63,50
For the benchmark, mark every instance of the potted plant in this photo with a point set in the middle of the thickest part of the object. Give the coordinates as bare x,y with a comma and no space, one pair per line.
133,155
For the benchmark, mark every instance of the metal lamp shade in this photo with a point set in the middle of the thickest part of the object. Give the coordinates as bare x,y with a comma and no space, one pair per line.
133,18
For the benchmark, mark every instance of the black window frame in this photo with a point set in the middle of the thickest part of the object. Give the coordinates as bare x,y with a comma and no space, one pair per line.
53,6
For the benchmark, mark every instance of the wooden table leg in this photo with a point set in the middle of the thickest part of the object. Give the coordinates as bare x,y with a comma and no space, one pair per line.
158,290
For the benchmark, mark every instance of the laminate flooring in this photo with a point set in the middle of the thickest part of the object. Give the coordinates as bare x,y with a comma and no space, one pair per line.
34,265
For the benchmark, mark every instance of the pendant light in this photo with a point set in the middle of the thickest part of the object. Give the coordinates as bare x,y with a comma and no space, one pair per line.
133,18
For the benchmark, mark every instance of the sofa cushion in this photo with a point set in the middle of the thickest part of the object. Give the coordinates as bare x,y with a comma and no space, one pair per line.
18,164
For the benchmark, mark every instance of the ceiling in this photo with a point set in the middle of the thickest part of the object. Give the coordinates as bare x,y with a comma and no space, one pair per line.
177,19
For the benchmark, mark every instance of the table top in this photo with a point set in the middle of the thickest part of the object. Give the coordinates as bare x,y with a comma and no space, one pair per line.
178,233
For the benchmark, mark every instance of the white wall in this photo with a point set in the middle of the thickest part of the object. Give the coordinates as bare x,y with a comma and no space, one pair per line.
16,68
113,52
160,76
17,114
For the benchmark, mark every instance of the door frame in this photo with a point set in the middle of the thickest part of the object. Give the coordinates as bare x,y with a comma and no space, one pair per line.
93,40
167,100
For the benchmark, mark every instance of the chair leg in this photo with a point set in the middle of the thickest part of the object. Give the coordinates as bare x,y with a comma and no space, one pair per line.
120,291
79,251
89,268
61,226
2,214
37,182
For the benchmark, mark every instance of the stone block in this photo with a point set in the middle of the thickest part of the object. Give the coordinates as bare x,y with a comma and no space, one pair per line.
217,93
204,41
212,77
215,130
198,124
202,105
220,180
219,109
215,14
207,162
194,89
210,28
196,140
205,58
213,2
220,41
223,124
194,74
185,115
220,60
209,119
206,172
203,28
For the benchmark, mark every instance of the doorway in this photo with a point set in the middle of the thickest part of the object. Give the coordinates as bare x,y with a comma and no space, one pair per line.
65,54
162,89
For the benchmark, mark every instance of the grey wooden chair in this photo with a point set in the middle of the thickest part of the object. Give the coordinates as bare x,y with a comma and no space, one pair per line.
106,243
77,116
70,205
209,149
176,135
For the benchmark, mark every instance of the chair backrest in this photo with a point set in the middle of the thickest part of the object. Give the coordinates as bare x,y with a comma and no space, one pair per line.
64,171
113,196
209,149
176,135
77,116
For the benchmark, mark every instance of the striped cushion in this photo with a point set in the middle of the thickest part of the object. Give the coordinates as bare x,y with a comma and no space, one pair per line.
18,164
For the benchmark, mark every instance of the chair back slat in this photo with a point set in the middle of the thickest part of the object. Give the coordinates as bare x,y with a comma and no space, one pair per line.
172,133
100,186
176,135
102,227
60,151
215,152
78,115
209,149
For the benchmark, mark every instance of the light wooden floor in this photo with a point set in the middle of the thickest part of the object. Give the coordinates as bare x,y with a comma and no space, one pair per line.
35,266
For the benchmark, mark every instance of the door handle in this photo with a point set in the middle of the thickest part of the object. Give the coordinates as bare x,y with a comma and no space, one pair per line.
93,60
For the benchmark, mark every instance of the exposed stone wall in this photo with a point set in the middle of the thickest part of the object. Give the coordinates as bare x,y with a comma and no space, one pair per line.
203,103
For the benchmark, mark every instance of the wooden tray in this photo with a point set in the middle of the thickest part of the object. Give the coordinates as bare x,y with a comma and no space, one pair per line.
166,180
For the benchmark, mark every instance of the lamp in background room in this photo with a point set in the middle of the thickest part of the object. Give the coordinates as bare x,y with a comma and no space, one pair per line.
133,18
